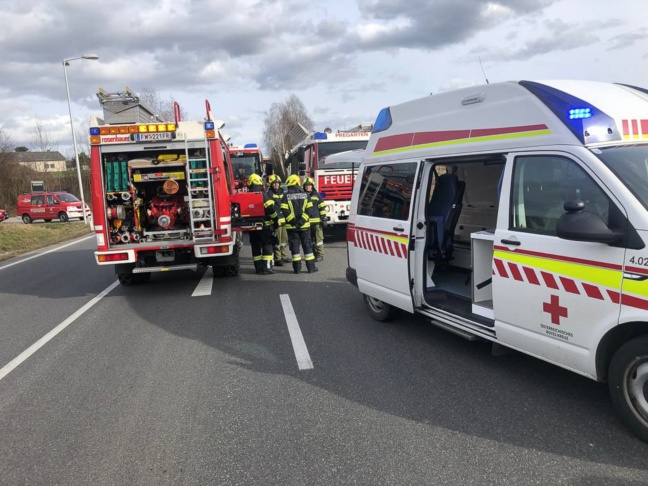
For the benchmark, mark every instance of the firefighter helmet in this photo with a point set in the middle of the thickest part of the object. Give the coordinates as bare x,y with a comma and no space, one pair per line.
292,180
255,180
308,180
274,178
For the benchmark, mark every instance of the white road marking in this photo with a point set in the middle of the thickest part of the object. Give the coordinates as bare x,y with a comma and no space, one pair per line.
299,346
46,252
14,363
204,287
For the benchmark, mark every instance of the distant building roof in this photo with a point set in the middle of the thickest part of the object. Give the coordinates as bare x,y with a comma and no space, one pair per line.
49,156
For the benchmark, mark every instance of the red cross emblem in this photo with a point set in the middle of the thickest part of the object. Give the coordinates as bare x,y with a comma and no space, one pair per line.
555,309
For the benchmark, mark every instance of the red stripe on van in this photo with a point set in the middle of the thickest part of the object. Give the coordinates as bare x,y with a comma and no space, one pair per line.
499,264
593,291
394,141
515,271
531,275
644,127
635,129
570,285
625,127
631,301
432,137
549,280
487,132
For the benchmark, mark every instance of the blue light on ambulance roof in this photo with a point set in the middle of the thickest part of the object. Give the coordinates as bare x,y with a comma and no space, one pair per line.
94,131
209,125
575,113
319,136
250,145
383,121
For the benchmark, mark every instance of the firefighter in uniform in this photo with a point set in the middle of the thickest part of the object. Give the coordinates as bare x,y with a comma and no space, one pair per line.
281,242
295,207
317,213
261,241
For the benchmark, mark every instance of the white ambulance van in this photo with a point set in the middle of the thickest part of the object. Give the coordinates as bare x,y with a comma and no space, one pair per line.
517,213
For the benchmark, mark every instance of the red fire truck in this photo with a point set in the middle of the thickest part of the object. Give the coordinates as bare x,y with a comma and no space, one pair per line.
246,160
335,184
163,192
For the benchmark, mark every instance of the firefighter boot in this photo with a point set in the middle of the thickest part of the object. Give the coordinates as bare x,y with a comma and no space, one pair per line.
267,267
258,266
297,266
311,267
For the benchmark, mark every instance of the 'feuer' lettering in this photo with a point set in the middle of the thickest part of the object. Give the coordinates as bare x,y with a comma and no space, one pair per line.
338,179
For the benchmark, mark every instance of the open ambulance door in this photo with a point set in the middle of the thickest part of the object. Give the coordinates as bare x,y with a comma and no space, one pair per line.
383,232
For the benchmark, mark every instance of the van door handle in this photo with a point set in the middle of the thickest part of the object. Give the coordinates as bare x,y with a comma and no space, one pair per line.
511,242
399,229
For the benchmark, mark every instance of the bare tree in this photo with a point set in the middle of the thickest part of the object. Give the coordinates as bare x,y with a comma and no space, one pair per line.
162,108
42,140
279,120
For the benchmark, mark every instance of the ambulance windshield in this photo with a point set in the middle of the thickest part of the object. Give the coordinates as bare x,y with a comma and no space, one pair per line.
630,164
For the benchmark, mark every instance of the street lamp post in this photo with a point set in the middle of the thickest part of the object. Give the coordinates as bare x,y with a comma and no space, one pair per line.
66,63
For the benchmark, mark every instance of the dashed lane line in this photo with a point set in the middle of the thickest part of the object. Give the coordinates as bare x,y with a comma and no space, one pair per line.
299,345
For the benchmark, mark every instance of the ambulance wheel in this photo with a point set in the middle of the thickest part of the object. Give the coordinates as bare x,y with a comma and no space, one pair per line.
379,310
26,219
63,217
628,382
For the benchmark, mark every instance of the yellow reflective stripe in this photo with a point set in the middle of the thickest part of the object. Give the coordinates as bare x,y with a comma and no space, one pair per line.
504,136
597,275
635,287
399,239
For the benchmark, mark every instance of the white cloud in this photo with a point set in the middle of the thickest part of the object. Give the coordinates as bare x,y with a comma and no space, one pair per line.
345,60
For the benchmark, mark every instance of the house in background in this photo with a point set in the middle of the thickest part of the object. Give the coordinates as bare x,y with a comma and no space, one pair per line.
50,161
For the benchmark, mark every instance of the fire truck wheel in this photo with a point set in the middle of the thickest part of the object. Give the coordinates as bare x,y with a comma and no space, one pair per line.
63,217
232,270
26,219
133,278
379,310
628,382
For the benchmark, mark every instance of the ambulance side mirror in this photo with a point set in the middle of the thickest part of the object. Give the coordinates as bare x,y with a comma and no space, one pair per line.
579,225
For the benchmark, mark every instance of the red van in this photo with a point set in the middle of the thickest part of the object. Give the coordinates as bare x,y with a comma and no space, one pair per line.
59,205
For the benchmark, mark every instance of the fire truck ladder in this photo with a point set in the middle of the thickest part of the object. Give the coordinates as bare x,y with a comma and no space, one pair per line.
201,209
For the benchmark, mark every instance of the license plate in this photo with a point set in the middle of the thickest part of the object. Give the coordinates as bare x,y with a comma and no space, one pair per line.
153,137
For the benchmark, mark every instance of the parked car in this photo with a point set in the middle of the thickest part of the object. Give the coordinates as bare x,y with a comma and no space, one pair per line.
3,215
48,206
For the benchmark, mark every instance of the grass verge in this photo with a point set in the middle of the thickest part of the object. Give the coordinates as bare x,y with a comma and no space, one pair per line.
16,239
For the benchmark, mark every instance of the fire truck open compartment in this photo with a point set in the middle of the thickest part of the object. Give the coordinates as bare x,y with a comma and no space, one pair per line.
157,196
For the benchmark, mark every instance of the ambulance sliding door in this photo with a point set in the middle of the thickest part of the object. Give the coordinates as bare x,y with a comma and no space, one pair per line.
553,297
383,231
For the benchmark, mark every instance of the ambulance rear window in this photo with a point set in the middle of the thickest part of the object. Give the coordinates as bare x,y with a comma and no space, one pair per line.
630,164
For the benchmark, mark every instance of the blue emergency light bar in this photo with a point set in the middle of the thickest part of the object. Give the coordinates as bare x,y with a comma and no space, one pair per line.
250,145
209,125
94,131
574,112
383,121
319,136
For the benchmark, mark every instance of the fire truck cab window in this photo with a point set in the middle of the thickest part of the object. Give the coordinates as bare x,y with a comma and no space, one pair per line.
386,191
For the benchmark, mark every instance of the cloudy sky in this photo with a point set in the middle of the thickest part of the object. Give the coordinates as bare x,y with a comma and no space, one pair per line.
345,59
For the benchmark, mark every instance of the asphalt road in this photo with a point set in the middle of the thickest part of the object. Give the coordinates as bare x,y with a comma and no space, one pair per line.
151,385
